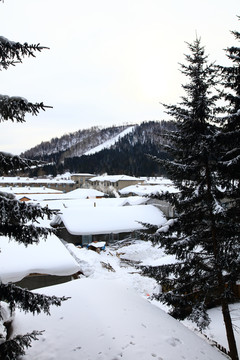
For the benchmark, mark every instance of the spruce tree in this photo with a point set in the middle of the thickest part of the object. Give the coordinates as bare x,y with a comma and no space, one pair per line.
17,219
206,248
230,137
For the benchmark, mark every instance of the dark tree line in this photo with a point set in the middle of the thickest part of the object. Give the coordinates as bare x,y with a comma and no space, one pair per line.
131,160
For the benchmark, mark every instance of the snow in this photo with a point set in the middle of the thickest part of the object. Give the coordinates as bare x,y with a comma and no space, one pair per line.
114,178
82,174
26,190
143,190
93,220
15,180
48,257
110,142
98,245
158,180
110,316
59,202
83,194
216,328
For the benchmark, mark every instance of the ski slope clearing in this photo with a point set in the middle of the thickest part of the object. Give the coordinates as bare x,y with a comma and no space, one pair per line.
107,144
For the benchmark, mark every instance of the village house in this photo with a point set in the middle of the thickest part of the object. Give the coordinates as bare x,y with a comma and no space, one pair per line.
147,190
58,183
28,193
37,265
83,225
118,182
84,194
81,179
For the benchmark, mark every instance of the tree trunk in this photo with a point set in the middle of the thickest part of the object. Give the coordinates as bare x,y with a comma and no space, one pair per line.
229,330
221,285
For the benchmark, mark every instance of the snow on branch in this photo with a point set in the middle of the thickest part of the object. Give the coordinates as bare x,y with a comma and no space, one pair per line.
15,216
14,108
12,52
15,296
24,234
20,212
12,348
9,162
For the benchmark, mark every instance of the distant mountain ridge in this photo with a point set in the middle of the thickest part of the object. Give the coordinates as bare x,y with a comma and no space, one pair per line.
74,144
116,149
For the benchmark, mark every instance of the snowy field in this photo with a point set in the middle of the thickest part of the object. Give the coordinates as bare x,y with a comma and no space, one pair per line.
110,315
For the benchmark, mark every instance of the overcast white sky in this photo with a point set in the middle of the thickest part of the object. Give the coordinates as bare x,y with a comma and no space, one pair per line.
110,61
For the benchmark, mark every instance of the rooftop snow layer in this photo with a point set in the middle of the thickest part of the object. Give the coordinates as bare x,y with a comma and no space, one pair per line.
48,257
114,178
99,220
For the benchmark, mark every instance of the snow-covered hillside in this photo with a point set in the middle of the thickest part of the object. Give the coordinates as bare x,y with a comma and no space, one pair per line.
77,143
107,144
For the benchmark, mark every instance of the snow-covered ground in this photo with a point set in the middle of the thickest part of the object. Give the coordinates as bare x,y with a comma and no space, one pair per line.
110,315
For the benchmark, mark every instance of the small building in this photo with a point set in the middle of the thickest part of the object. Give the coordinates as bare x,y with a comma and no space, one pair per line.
84,194
28,193
84,225
118,182
81,179
37,265
150,190
59,183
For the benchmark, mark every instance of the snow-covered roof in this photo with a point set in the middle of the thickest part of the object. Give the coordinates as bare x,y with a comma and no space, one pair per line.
29,190
157,180
114,178
27,180
82,174
99,220
77,194
142,190
58,202
83,194
48,257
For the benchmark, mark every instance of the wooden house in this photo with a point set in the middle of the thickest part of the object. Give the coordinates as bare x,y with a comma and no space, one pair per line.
83,225
38,265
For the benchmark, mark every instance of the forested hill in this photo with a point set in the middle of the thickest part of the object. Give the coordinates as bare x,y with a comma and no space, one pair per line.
73,144
114,150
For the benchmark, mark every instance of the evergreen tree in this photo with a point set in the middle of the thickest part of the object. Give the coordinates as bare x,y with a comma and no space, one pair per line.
230,137
206,247
16,216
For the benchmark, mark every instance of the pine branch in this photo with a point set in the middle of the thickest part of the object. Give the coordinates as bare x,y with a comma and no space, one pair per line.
25,234
15,108
13,348
15,217
18,212
9,162
28,301
12,52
